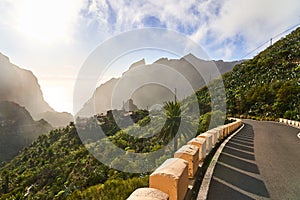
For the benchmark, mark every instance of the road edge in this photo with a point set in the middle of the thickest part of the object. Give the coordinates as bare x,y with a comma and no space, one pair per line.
203,192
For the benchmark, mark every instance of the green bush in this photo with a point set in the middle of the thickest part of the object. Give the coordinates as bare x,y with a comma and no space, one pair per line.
111,189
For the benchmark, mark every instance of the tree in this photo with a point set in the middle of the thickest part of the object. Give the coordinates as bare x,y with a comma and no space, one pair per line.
5,182
171,126
287,99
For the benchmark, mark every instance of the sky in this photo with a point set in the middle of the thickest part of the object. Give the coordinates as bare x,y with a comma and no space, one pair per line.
53,38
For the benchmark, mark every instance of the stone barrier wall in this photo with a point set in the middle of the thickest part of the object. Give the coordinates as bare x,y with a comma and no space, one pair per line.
201,144
290,122
173,178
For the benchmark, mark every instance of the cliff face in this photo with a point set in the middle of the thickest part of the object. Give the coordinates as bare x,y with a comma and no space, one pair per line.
151,95
21,86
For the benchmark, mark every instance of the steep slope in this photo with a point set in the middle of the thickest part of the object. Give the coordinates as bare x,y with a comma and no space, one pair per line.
17,129
56,119
152,94
21,86
269,84
56,165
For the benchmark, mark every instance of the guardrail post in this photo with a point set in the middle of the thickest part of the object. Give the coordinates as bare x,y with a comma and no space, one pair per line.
214,135
208,138
189,153
171,178
220,133
148,194
201,144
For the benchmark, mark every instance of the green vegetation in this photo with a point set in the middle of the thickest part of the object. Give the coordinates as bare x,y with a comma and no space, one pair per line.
173,113
267,86
54,166
112,189
59,166
17,129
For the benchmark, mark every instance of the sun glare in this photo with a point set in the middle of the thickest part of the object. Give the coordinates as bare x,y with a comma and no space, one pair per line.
57,98
46,21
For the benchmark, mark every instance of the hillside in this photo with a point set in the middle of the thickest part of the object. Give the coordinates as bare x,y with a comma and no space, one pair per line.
269,84
58,165
21,86
17,129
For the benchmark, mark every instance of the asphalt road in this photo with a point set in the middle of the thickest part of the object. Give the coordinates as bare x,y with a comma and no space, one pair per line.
262,161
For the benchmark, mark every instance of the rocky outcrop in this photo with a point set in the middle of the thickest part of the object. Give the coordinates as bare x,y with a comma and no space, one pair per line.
21,86
151,95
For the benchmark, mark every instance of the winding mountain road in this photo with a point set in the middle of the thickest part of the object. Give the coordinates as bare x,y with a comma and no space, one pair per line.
262,161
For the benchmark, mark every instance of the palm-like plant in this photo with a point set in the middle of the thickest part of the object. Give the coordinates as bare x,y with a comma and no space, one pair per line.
173,119
176,123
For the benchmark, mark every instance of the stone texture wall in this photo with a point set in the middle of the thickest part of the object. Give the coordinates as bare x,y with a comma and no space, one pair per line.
171,180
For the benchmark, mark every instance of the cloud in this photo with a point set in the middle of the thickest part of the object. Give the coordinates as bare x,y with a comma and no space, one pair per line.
152,21
216,25
213,24
45,36
238,25
248,23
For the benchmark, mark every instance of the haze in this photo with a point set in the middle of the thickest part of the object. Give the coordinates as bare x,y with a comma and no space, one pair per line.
53,38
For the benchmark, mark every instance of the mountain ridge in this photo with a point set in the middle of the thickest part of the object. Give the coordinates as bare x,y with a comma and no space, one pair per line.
104,92
58,166
21,86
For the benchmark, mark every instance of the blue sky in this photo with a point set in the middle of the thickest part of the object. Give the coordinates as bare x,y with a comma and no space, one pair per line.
52,38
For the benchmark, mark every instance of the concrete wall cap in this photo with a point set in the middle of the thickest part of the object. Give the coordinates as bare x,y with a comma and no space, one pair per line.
199,140
211,131
148,194
205,135
187,149
218,128
172,167
221,127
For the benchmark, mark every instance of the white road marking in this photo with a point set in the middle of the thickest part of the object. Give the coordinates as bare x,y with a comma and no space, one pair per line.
298,135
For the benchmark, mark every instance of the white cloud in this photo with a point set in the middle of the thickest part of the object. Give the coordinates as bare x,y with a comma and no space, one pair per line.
255,21
207,22
240,25
46,35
